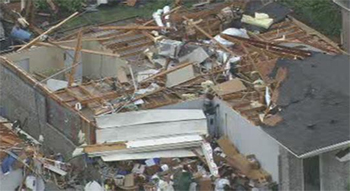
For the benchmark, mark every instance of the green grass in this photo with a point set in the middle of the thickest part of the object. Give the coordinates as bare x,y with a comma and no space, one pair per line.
119,12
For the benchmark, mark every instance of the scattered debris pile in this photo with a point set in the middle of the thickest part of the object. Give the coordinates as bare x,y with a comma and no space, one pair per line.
234,171
224,50
23,164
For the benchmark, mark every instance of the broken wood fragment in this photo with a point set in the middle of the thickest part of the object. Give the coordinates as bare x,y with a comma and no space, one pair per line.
268,46
209,36
133,27
28,45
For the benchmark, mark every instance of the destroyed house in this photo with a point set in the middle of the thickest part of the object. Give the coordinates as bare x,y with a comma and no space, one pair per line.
286,101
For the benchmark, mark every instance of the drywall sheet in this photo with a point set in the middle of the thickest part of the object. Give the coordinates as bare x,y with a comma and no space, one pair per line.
180,76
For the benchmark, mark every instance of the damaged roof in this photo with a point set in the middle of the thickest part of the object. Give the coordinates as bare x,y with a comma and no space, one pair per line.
314,103
289,41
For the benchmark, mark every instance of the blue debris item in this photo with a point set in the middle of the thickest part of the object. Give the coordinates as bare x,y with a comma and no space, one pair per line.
7,164
20,34
88,160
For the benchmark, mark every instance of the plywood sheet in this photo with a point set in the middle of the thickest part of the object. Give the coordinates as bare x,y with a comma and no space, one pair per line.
232,86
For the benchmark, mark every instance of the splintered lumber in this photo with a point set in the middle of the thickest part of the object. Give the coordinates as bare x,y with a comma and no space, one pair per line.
268,46
132,27
166,72
209,36
311,31
85,39
28,45
82,50
76,58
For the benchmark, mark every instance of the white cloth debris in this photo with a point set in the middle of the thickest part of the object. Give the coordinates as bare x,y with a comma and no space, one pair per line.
93,186
166,10
142,75
150,88
267,96
81,137
157,16
232,32
221,183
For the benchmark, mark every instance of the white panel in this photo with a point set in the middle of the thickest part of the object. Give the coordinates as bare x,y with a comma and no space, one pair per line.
249,139
147,116
164,140
179,153
151,130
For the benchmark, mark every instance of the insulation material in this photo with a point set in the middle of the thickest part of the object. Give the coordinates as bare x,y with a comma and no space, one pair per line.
180,76
261,20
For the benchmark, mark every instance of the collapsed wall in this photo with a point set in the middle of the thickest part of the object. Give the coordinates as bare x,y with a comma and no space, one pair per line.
21,100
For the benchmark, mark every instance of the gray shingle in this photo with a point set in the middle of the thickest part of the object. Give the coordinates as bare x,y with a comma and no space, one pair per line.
315,103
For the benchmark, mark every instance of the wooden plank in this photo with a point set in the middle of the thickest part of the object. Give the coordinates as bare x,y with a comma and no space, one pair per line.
232,86
28,45
75,59
104,147
227,147
312,31
133,27
8,140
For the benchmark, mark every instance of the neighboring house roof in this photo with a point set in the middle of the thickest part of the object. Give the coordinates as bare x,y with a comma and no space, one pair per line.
314,98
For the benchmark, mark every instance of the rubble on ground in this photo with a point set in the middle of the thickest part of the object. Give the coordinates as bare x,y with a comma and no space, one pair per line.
214,49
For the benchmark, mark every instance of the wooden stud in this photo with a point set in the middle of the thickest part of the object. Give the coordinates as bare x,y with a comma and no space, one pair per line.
75,59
